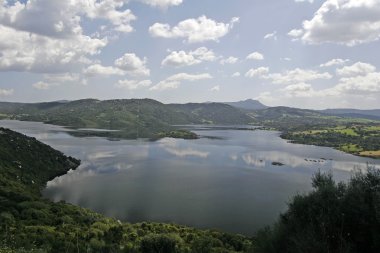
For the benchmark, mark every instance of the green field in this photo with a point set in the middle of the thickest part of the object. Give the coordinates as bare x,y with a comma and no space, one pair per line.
354,138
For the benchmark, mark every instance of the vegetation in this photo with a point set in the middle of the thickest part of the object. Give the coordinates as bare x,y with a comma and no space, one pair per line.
29,223
334,217
180,134
352,135
355,139
133,118
146,118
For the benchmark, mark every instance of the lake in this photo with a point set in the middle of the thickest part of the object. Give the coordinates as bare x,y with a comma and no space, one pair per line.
224,180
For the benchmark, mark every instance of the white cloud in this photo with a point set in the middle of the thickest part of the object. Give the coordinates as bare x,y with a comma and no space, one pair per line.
272,35
44,36
229,60
162,3
255,56
295,33
347,22
61,78
111,10
297,76
215,88
6,92
174,81
236,74
133,65
334,62
100,70
42,85
299,90
182,58
361,84
265,97
356,69
23,51
194,30
259,72
132,84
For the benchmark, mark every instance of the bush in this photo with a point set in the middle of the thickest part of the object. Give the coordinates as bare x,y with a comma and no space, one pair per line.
343,217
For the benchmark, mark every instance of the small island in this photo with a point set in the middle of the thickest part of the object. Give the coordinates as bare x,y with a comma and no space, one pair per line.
179,134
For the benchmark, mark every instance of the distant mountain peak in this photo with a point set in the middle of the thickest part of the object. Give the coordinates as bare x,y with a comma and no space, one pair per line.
248,104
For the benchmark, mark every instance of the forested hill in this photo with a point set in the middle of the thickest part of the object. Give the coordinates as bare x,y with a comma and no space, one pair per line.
134,117
212,113
29,223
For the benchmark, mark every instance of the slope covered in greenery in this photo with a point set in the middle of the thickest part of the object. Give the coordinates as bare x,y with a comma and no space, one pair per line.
357,136
133,117
29,222
334,217
212,113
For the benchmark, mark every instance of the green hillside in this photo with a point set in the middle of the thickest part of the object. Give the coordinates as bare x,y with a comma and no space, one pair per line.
133,117
358,136
212,113
29,223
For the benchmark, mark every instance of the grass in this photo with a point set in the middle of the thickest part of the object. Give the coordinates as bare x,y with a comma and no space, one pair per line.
339,129
371,153
351,148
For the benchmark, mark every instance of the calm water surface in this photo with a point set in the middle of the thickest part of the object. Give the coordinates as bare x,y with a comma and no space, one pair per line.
227,182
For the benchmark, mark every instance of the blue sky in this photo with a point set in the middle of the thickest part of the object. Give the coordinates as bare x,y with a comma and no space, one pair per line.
308,54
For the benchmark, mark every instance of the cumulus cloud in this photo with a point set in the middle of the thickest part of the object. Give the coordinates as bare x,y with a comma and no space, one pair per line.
194,30
272,35
259,72
236,74
299,90
215,88
162,3
295,33
100,70
174,81
132,84
255,56
133,65
359,84
297,76
44,36
182,58
51,80
356,69
42,85
229,60
6,92
62,77
23,51
111,10
334,62
347,22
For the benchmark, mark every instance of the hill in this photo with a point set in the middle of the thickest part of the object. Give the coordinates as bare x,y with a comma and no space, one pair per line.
29,223
354,113
286,118
212,113
133,117
248,104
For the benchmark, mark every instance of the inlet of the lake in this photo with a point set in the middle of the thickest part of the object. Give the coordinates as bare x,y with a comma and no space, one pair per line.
228,182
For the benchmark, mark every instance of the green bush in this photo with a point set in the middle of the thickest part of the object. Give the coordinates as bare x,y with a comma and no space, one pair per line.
334,217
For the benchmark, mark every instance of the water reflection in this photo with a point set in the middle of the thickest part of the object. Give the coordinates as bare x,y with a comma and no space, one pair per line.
173,147
227,182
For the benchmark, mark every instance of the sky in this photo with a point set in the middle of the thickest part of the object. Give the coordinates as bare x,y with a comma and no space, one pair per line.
313,54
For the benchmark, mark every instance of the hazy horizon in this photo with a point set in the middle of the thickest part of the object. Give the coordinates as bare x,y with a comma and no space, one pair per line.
313,54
